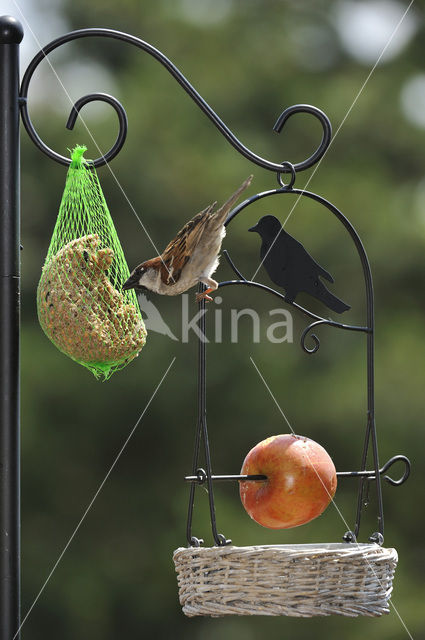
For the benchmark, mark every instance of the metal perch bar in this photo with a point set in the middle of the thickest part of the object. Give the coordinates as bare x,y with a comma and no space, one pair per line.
201,475
306,312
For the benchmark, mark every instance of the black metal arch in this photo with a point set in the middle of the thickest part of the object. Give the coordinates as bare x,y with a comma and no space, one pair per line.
199,476
368,329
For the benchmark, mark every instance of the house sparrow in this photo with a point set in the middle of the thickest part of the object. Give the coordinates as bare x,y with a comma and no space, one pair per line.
290,266
190,258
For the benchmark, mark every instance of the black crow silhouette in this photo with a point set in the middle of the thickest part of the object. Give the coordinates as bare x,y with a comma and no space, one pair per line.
290,266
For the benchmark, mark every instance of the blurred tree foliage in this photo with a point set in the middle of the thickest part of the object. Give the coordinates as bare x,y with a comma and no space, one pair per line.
249,59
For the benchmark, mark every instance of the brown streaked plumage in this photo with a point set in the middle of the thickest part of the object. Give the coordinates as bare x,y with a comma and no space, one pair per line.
191,257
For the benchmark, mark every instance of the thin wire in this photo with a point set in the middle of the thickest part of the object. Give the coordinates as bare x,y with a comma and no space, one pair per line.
331,497
93,499
93,139
337,131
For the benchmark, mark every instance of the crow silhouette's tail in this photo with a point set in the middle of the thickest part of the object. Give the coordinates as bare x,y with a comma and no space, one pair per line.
324,295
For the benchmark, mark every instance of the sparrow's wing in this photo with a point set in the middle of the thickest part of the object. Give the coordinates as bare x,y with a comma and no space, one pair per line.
178,251
219,217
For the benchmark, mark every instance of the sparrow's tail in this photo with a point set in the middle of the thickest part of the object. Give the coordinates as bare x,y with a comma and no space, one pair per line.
221,214
328,298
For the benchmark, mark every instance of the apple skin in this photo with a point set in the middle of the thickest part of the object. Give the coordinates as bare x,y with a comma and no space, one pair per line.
301,481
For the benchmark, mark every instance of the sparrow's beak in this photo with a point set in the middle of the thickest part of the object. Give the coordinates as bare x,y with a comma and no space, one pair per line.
254,228
132,282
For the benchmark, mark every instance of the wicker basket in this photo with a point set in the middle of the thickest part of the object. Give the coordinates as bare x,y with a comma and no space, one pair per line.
286,580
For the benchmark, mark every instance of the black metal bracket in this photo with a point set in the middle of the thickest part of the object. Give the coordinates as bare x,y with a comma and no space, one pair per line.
184,83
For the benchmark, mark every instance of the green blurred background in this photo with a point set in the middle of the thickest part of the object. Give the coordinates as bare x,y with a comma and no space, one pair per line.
249,59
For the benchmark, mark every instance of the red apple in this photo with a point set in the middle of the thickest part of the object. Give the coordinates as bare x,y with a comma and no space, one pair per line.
301,481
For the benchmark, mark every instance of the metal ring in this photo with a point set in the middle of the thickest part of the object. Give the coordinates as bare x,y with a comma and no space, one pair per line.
349,536
196,542
201,476
291,170
222,541
377,537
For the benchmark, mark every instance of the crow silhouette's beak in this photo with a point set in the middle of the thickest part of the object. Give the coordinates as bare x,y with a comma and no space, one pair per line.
254,228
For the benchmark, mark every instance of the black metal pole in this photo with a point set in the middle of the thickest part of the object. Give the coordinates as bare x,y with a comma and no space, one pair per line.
11,34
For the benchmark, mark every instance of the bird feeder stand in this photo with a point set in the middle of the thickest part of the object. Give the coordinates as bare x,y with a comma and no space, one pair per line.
196,565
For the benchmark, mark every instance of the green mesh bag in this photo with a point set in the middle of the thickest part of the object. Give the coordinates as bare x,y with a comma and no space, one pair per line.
80,302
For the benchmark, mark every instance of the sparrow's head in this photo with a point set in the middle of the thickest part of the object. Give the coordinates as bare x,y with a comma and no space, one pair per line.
267,227
137,279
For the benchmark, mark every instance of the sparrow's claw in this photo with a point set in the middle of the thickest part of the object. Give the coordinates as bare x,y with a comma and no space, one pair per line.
203,296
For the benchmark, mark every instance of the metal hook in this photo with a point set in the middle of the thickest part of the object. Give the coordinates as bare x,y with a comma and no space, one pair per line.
122,118
103,97
326,126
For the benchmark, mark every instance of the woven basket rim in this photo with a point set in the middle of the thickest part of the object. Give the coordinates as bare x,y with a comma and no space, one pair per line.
310,546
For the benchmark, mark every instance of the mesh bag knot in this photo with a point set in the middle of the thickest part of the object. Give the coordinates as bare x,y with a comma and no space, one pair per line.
81,306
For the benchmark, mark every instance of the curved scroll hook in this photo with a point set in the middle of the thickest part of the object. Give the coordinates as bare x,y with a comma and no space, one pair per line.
313,336
122,118
190,90
330,323
104,97
326,126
